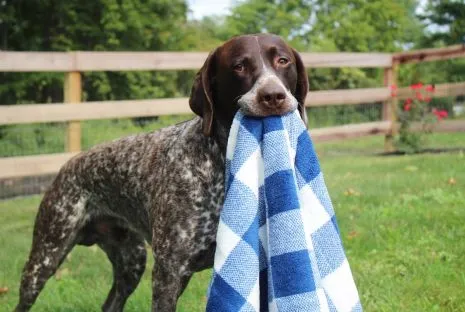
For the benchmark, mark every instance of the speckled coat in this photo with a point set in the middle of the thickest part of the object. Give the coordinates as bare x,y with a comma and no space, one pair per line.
121,194
163,187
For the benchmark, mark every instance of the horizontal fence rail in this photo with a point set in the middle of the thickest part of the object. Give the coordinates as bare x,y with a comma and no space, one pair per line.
128,61
341,59
59,112
73,63
34,113
24,166
429,55
116,61
99,61
347,96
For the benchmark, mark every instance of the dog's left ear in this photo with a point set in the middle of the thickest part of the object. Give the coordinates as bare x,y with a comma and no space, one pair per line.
201,98
302,86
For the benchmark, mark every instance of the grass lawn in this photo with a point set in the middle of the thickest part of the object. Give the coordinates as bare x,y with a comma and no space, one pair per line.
401,219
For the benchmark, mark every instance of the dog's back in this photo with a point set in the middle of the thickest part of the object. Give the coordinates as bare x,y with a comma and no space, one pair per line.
126,177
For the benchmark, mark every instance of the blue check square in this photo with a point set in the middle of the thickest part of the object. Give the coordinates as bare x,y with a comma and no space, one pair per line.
291,274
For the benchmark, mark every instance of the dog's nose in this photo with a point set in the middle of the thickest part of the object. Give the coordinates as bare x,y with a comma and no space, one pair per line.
271,95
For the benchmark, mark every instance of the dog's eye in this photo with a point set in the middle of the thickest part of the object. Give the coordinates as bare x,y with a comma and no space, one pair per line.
239,67
283,61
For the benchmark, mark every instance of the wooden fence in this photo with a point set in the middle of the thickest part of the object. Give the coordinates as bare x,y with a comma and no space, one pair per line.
73,111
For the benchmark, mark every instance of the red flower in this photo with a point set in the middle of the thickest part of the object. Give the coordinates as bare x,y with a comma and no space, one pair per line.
427,99
393,90
408,104
416,86
430,88
440,114
419,96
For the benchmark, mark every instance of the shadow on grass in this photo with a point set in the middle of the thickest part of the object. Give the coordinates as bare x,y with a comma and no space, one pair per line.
424,151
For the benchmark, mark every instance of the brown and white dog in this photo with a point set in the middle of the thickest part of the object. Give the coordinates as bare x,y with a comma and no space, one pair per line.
163,187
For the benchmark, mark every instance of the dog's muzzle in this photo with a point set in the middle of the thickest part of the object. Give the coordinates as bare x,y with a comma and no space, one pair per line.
267,97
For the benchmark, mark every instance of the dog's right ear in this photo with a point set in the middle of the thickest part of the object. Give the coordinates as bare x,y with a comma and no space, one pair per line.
302,86
201,98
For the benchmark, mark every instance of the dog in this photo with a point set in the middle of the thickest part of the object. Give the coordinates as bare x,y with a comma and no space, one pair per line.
165,187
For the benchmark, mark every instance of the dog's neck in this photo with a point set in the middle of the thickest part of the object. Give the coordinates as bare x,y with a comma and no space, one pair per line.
221,134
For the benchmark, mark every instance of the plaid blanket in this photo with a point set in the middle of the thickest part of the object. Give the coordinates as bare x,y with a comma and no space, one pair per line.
278,244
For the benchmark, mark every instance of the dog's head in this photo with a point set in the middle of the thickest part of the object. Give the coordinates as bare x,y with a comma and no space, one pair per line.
259,74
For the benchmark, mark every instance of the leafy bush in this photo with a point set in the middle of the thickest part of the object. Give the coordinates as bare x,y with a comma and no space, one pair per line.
417,118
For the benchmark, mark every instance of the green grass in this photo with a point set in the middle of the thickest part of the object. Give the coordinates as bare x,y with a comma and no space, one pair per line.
373,145
401,219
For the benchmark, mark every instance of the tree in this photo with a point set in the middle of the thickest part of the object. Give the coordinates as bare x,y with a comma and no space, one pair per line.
288,19
444,24
111,25
366,25
445,21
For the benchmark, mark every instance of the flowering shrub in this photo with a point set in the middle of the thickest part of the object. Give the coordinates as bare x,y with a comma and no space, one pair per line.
415,114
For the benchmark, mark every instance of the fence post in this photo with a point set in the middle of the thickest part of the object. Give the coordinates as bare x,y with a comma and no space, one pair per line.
390,106
73,91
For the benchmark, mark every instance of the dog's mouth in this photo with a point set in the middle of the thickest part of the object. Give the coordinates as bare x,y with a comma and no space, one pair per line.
255,110
266,107
267,97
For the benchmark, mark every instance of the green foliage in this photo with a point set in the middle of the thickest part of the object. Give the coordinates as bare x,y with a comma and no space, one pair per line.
432,72
206,34
443,103
110,25
337,115
20,140
354,25
449,17
341,78
444,24
363,26
288,19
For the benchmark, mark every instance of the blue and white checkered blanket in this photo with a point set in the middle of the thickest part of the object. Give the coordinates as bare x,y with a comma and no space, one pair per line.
278,244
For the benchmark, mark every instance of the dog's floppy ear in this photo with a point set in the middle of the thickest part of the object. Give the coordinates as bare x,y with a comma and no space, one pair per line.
201,98
302,86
